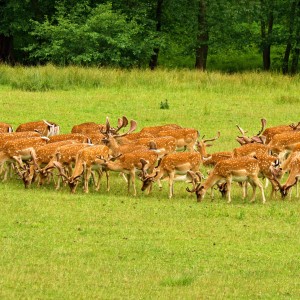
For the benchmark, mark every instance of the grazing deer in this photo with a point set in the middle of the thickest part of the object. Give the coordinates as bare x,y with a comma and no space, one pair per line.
88,128
283,143
65,157
251,150
234,169
294,176
5,137
87,160
154,130
43,156
186,138
21,149
5,128
270,132
80,138
44,127
171,166
130,163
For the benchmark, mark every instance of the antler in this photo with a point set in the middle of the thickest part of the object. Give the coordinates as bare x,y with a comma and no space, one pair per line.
263,125
294,127
213,139
121,123
133,125
242,131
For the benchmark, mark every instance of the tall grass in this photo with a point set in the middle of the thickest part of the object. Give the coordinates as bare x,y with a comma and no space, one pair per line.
101,245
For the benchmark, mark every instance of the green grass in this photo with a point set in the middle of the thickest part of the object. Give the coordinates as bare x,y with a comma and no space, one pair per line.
55,245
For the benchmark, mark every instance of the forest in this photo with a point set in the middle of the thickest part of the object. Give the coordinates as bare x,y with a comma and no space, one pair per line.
222,35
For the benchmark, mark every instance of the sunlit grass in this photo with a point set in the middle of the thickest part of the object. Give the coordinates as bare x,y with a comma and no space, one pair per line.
55,245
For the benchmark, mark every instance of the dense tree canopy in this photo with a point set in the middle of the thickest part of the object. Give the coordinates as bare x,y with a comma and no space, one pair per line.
207,34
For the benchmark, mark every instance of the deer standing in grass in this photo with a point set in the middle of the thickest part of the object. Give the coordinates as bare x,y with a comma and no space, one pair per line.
130,163
175,167
233,169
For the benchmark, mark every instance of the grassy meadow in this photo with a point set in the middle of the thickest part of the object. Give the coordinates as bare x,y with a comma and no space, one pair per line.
101,245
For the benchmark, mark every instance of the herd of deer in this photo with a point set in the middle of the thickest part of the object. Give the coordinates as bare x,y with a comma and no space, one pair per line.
166,152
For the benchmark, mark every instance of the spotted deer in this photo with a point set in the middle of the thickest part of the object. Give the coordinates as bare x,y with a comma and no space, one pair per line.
45,128
234,169
186,138
130,163
87,160
64,159
174,167
5,128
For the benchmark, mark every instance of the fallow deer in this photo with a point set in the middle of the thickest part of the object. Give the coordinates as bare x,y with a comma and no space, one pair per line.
270,132
45,128
292,179
130,163
81,138
5,128
44,154
210,160
173,166
186,138
154,130
65,157
87,160
283,143
234,169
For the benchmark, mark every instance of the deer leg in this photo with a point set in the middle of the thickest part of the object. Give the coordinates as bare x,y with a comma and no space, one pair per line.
244,189
86,178
171,185
97,185
131,179
107,180
124,177
257,182
228,181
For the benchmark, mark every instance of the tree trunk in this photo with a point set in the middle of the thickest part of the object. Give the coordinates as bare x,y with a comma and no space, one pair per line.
154,57
266,37
202,38
6,49
285,63
296,51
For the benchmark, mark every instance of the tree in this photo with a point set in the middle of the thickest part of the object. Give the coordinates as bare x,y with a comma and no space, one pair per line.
154,56
202,37
266,25
82,35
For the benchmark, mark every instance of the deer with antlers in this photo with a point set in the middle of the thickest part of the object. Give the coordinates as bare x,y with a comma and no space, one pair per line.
87,160
292,179
44,154
233,169
210,160
64,159
45,128
175,167
130,163
186,138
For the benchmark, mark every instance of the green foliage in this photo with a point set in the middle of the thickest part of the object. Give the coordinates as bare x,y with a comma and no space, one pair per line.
102,37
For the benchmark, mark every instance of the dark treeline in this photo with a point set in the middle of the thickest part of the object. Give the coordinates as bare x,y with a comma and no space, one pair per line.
146,33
